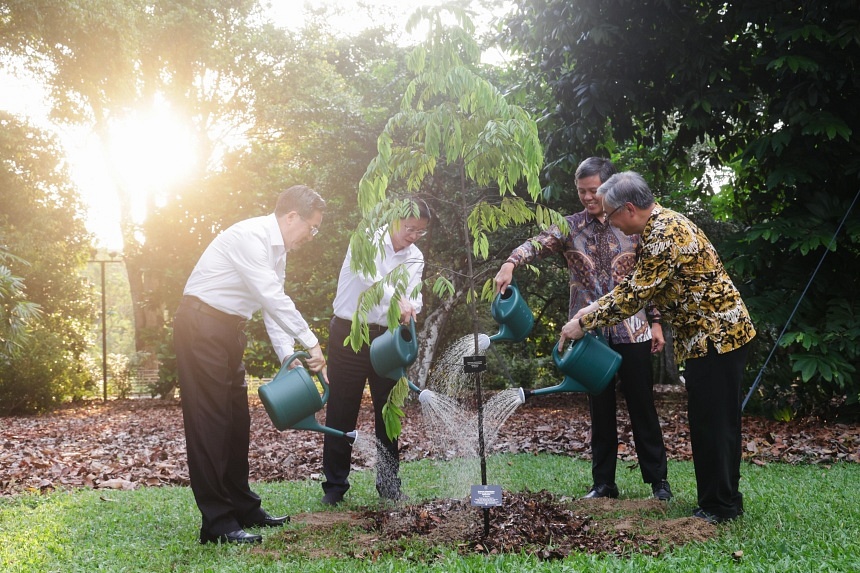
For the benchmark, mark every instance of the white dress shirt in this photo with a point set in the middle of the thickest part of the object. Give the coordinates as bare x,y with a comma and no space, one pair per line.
242,271
350,284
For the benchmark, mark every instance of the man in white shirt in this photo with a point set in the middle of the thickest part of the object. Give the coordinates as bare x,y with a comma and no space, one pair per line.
349,370
240,272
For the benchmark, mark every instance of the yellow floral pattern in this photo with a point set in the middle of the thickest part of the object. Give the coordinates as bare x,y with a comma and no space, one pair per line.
680,271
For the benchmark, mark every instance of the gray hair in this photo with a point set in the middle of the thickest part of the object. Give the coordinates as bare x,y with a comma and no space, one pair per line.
301,199
625,187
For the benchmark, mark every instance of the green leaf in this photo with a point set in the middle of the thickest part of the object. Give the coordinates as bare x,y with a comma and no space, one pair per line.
392,410
442,286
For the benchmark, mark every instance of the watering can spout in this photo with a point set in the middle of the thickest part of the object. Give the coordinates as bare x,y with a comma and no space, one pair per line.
310,423
568,385
522,394
425,396
351,436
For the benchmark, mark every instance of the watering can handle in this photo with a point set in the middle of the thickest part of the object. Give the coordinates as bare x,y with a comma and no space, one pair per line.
302,354
596,334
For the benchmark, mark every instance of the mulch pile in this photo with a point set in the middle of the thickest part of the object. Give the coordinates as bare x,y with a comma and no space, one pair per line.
537,524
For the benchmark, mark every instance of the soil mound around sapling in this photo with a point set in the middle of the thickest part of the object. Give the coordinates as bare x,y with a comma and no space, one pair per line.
535,523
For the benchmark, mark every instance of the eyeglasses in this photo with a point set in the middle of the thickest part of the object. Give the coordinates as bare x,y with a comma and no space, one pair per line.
314,228
413,231
606,218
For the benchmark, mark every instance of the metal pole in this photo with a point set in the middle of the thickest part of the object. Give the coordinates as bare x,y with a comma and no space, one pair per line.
803,294
103,270
104,336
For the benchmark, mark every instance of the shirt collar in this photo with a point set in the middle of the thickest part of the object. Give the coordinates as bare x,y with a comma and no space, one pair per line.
589,218
655,212
276,239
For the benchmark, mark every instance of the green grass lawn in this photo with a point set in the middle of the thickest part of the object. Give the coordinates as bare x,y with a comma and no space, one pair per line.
798,518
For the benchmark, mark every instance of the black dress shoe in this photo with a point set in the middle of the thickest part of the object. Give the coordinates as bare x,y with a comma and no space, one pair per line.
332,498
602,490
661,490
268,521
238,536
710,517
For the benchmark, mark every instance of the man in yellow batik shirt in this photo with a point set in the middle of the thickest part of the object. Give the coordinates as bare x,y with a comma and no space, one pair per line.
679,270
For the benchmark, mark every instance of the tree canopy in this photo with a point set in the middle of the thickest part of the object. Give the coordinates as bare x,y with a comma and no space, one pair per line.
761,95
742,114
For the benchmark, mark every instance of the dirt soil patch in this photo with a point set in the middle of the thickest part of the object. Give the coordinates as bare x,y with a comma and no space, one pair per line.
536,523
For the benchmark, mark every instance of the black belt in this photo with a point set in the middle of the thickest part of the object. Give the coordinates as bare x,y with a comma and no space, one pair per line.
195,303
374,328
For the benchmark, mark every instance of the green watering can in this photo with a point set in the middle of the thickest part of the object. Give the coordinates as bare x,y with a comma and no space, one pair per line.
392,352
514,316
291,399
588,364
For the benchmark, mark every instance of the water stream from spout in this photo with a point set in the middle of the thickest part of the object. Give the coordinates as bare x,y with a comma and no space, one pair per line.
450,425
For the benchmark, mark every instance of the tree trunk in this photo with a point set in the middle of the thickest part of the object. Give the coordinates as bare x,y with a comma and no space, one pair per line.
429,337
146,319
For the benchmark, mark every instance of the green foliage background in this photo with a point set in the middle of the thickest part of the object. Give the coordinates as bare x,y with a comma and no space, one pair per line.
742,114
41,226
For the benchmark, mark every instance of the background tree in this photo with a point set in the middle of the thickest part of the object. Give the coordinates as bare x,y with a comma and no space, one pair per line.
16,312
760,93
105,61
269,108
40,226
318,112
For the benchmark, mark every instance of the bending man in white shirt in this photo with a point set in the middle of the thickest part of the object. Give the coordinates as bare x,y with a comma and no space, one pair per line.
240,272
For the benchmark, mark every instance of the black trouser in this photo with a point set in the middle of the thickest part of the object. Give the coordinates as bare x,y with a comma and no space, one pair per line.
714,409
637,385
348,372
215,414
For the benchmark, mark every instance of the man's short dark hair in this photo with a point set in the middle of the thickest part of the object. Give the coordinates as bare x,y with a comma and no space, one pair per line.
419,204
301,199
599,166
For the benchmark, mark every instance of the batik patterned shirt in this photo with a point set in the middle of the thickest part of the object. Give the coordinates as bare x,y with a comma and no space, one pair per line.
598,257
679,270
